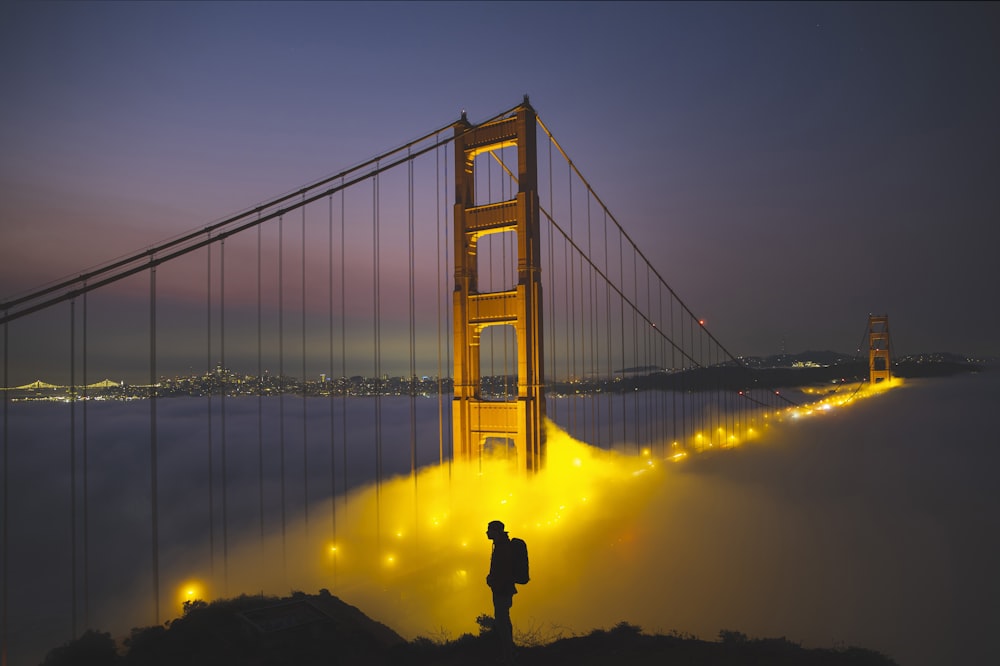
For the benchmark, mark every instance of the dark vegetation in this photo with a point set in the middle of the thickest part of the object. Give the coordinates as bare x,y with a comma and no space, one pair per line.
304,630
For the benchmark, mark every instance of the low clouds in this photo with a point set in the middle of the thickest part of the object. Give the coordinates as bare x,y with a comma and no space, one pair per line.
874,526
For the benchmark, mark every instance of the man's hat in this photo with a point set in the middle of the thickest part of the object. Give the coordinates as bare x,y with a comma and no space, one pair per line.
495,526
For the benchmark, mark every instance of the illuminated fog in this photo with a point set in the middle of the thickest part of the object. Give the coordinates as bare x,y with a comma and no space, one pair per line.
874,525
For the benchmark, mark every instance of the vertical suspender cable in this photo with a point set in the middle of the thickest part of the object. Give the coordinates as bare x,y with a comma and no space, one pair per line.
715,357
551,287
438,295
697,414
673,368
413,343
260,396
592,319
72,460
721,418
707,398
652,358
579,424
567,305
635,345
377,340
744,410
651,361
329,383
738,407
651,365
733,408
343,341
687,422
641,337
449,435
703,411
413,334
715,396
621,280
86,492
697,391
743,414
661,368
685,376
305,440
712,392
211,390
224,376
684,385
567,345
751,411
281,393
607,336
707,385
152,443
730,411
580,355
727,422
583,341
571,302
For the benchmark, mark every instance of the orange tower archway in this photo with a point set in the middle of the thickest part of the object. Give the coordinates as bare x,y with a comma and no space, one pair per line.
879,364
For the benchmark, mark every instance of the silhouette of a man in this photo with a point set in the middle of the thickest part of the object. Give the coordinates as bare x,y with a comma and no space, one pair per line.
501,581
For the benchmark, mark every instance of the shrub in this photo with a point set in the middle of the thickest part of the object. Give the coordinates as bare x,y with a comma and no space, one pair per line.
93,648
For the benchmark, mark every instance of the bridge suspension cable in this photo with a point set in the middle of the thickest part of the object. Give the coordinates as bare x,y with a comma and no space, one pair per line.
634,295
118,269
629,367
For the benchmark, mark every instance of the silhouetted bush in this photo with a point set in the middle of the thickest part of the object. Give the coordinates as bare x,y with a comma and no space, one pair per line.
624,629
730,636
92,648
485,623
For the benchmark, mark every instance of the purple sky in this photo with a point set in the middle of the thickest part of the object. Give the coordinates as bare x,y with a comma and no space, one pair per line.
788,168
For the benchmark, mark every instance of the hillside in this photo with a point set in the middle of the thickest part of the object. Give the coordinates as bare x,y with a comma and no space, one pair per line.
307,630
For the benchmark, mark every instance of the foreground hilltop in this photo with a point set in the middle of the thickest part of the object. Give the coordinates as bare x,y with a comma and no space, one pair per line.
307,630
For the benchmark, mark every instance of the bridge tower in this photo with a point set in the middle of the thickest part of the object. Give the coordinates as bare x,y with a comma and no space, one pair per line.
879,367
478,422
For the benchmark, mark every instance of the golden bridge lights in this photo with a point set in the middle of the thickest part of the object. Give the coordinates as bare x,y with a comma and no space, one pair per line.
677,453
829,399
420,565
189,591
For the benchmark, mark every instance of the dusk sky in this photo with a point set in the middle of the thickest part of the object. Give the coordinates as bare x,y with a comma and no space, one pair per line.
788,168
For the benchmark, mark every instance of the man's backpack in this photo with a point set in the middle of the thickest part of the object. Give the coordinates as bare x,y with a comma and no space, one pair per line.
519,560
